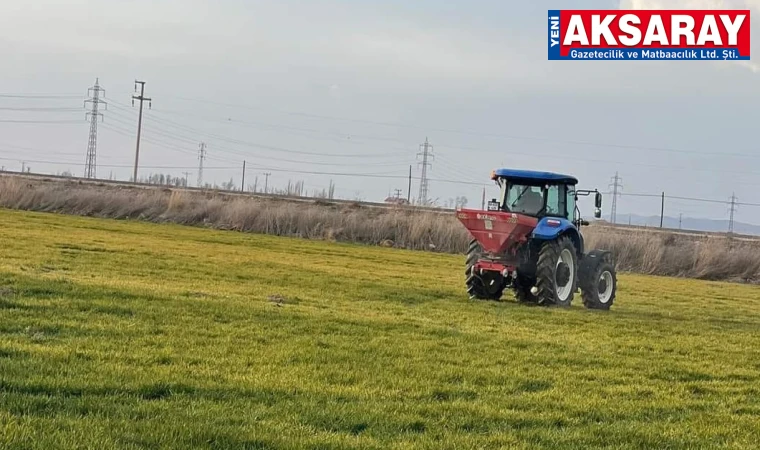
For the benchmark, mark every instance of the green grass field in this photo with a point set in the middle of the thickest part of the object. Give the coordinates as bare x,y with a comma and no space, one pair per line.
133,335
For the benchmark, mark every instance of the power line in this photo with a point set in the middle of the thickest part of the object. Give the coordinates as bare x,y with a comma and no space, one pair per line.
296,131
703,200
628,194
533,153
39,96
187,139
154,141
92,142
225,150
427,154
675,197
39,121
229,140
41,109
15,148
548,156
611,145
617,163
474,133
142,98
63,163
269,170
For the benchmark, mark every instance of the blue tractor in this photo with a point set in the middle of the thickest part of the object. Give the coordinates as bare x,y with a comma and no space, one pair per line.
529,240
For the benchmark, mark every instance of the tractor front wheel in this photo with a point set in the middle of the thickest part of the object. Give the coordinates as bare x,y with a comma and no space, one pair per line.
598,280
489,285
556,273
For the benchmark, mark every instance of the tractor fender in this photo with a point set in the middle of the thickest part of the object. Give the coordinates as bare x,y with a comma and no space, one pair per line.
550,228
597,254
590,259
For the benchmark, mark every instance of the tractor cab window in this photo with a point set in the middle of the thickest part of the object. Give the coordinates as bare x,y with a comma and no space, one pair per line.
555,205
503,186
524,199
571,212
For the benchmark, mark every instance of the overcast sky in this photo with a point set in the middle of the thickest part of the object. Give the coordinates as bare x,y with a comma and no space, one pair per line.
278,83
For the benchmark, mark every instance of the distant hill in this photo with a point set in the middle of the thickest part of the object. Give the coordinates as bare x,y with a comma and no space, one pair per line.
689,223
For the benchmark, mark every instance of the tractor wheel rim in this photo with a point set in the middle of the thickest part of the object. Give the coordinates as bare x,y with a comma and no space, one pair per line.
492,283
564,291
605,281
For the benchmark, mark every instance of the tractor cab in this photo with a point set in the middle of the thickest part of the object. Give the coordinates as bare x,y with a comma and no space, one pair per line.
539,195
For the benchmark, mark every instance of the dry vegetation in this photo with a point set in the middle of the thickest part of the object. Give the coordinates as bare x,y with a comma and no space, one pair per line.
702,257
690,256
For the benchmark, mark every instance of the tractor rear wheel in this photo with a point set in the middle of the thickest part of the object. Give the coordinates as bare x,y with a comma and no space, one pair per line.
598,280
556,272
489,285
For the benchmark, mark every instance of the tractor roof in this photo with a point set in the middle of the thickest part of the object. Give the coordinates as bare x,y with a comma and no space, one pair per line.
530,176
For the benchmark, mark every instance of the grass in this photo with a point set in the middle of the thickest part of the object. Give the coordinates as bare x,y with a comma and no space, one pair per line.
122,334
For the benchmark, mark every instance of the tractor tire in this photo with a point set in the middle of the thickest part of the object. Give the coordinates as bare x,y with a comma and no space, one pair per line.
487,287
522,287
598,280
556,271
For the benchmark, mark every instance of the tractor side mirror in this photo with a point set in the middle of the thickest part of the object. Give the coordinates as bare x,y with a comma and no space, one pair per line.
598,199
598,213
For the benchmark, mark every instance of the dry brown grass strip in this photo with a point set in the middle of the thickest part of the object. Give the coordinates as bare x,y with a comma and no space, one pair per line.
710,258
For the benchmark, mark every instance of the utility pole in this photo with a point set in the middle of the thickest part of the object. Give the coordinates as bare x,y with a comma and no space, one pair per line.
23,166
680,220
255,183
483,203
186,174
92,144
733,211
616,187
662,210
201,157
398,193
142,98
409,190
266,182
427,154
242,183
